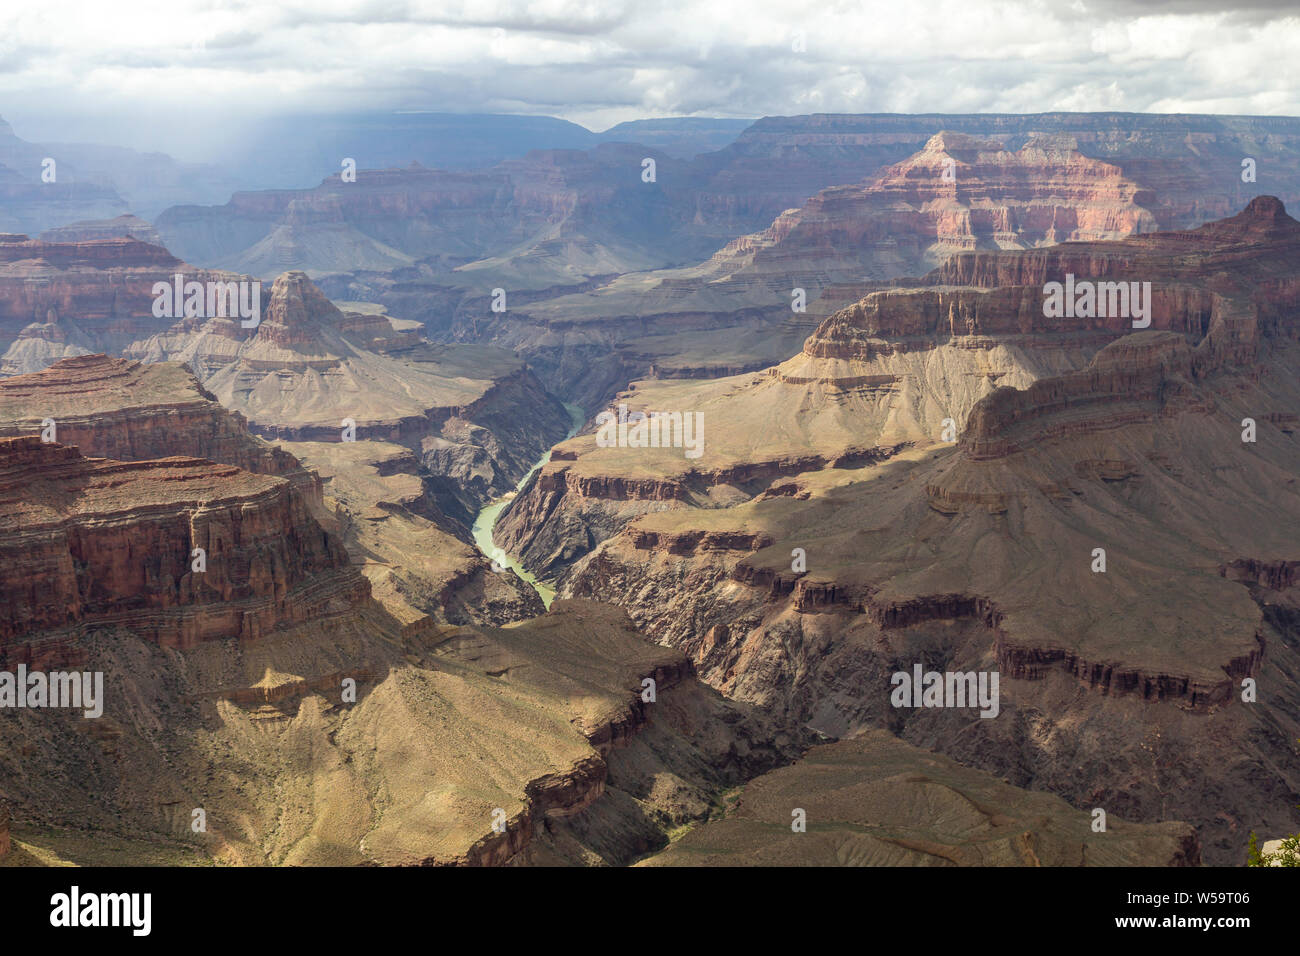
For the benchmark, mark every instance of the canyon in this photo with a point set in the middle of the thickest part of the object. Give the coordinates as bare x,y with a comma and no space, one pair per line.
288,545
1070,436
274,691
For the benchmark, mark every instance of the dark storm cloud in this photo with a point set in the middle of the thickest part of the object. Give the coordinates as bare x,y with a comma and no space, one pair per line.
599,62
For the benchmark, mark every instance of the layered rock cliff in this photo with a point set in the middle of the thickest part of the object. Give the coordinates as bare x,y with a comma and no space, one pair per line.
1075,535
116,408
94,543
62,298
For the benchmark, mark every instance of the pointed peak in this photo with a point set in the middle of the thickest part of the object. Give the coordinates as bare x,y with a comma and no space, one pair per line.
1264,218
1265,208
297,311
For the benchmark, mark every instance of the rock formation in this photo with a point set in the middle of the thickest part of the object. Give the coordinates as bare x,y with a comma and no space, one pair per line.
74,298
116,408
874,800
96,543
802,592
475,416
125,226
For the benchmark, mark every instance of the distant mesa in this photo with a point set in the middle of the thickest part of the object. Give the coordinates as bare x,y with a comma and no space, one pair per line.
124,226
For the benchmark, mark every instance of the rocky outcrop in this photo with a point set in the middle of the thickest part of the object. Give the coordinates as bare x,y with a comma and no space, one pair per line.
876,801
586,493
60,298
557,796
958,193
1180,158
126,226
98,543
115,408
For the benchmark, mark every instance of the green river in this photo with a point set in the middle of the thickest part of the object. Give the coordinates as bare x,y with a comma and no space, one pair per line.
487,518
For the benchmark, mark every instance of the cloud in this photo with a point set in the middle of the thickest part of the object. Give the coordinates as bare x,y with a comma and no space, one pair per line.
599,62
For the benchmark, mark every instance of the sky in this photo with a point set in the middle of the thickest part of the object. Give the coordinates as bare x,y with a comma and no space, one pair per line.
163,74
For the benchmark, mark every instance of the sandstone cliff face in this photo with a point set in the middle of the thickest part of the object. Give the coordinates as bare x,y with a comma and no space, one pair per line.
1190,162
1121,681
85,296
99,543
958,193
115,408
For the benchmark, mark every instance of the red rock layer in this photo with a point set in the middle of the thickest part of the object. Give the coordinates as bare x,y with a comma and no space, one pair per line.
105,285
115,408
958,193
1196,281
97,543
